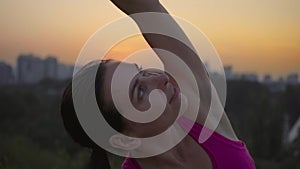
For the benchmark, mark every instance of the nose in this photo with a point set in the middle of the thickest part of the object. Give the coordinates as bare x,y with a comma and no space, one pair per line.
158,80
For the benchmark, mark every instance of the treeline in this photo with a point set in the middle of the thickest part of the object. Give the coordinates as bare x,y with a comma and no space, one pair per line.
32,134
257,115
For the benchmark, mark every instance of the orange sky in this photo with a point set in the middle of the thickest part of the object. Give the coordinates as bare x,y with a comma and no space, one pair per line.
252,35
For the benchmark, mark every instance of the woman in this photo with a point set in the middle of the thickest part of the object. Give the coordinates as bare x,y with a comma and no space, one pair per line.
222,150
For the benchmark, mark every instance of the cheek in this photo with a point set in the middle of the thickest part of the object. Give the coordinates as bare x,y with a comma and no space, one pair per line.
142,105
171,114
175,105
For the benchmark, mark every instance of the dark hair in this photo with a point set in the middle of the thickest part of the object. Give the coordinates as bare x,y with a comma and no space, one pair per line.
99,159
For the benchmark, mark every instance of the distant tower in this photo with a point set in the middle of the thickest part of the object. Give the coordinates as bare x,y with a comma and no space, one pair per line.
50,67
30,69
6,74
292,79
64,71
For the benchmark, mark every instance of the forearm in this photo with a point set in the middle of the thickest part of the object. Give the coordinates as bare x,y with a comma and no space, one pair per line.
166,34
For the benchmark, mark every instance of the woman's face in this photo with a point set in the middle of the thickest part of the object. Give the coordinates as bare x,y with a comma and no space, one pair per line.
139,89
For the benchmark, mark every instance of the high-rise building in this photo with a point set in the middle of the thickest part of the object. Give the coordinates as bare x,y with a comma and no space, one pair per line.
50,68
64,71
292,79
6,74
30,69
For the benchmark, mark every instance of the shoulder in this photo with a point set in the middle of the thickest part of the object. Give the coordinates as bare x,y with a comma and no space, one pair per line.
130,163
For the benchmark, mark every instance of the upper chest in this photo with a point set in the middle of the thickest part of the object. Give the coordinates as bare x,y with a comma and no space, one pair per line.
193,157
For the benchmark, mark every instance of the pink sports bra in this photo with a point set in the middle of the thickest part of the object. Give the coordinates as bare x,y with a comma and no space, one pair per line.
223,152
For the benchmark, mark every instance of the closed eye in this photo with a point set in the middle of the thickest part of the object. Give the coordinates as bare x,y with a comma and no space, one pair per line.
140,93
136,82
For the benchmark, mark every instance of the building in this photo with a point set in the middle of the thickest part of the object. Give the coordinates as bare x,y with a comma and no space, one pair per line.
30,69
6,74
64,71
292,79
50,69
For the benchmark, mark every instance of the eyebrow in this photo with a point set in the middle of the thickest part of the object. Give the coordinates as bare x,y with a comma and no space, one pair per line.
137,66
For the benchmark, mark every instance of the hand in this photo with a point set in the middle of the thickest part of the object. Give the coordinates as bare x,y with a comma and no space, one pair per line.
137,6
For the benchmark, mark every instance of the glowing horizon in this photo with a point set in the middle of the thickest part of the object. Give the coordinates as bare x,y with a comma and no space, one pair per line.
262,37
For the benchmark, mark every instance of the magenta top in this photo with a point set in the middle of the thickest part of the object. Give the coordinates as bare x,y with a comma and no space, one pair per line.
223,152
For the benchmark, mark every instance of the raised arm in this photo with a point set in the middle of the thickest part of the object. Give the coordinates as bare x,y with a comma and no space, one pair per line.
158,41
167,24
207,91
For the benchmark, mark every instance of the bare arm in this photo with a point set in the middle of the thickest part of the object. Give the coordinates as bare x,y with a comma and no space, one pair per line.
168,24
182,50
163,24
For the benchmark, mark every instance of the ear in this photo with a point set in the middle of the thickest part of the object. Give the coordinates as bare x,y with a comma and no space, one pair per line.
125,143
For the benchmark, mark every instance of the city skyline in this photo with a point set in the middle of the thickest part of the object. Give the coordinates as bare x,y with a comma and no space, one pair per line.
31,69
53,62
253,36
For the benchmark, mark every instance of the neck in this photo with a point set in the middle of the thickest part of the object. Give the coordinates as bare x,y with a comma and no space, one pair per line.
176,156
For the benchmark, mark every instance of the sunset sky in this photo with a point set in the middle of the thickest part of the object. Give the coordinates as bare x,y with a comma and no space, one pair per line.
252,35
